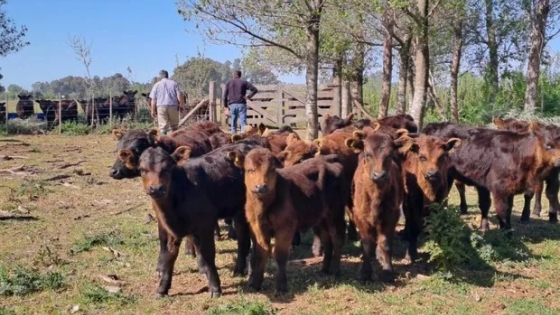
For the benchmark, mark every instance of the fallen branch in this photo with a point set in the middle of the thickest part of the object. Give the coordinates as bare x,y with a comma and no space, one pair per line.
11,157
67,165
5,215
57,177
127,209
13,169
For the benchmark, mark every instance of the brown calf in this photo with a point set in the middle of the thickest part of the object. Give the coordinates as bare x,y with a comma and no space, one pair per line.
502,163
378,195
425,172
281,201
182,209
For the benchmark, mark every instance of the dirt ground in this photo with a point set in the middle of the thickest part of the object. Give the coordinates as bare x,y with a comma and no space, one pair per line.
62,214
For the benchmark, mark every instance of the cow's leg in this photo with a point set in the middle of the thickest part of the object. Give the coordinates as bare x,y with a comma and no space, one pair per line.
231,228
217,233
243,243
385,232
484,202
327,247
168,264
336,232
527,196
463,207
296,238
352,233
413,227
205,242
282,244
366,272
538,198
162,235
552,188
259,258
189,248
317,247
502,205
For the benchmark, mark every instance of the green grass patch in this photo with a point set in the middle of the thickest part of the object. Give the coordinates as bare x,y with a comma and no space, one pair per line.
22,281
95,294
242,307
88,242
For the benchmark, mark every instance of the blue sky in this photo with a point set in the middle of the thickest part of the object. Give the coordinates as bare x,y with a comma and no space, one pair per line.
138,33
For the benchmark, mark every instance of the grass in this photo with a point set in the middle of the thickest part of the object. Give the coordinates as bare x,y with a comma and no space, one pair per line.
89,227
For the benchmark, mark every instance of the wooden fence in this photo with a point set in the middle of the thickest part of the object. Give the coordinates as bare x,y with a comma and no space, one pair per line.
284,104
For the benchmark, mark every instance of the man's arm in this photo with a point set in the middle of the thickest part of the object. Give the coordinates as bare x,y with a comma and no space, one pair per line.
251,88
179,96
225,96
153,96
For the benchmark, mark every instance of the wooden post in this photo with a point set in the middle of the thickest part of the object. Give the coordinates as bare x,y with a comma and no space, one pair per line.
345,107
337,99
223,118
6,114
280,105
212,99
189,114
92,108
59,115
111,110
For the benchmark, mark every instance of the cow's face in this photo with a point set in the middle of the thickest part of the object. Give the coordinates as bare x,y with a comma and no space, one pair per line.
432,156
260,171
129,147
296,151
156,169
548,143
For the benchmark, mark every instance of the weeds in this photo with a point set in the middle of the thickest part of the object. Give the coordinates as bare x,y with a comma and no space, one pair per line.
88,242
74,128
5,311
243,307
96,294
22,281
47,257
32,189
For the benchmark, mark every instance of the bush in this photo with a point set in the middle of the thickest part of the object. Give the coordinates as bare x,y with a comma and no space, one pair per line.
74,128
22,281
27,126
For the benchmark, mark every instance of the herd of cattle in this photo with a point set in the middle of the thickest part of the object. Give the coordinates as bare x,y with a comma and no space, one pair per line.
271,184
98,108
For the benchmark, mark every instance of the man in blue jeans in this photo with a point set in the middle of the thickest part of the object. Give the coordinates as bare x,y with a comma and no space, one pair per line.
235,99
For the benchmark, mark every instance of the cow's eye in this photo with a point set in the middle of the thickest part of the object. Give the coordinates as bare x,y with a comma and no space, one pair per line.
548,146
423,158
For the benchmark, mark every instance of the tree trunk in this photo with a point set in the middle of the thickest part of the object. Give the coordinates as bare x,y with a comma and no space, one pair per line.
492,78
404,56
312,75
539,16
387,65
357,76
421,63
337,71
410,79
455,66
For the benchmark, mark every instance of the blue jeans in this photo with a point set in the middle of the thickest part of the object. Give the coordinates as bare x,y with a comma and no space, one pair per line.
238,110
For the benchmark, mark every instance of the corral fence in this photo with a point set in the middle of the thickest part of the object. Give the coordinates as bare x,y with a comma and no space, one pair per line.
274,106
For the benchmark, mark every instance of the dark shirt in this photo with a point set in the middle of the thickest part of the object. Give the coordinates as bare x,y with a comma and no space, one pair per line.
235,91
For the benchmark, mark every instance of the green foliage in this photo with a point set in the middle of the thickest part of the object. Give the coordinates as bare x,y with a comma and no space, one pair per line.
33,189
88,242
242,307
22,281
97,295
5,311
29,126
74,128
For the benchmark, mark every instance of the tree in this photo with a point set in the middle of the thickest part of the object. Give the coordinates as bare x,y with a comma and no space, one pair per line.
538,12
258,23
195,74
83,53
254,71
11,36
387,62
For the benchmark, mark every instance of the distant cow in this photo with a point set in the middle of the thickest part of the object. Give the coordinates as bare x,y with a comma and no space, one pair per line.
378,195
388,124
125,104
2,112
275,138
502,163
552,181
50,109
182,209
98,109
281,201
25,106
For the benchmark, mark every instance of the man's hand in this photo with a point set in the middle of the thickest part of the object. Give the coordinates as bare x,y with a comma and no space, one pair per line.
154,113
181,107
226,111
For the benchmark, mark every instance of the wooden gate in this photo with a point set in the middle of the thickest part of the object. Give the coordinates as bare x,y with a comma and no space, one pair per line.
284,104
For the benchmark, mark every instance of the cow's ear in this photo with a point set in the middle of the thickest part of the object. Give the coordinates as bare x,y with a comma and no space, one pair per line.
405,144
181,154
262,128
250,129
355,144
282,156
292,138
326,116
236,137
401,132
124,155
359,134
153,137
451,144
534,125
237,157
499,123
314,149
348,119
117,134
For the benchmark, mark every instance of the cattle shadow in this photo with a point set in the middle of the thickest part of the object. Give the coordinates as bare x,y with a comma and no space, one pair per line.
537,230
18,218
487,250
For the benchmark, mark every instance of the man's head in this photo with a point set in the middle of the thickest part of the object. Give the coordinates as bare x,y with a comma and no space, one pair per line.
163,74
237,73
